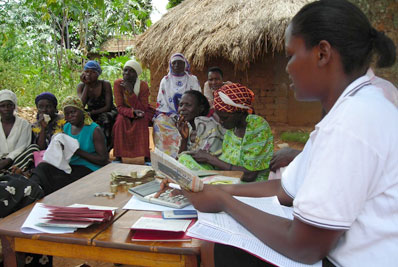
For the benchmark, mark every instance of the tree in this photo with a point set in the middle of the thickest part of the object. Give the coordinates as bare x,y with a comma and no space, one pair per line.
173,3
43,42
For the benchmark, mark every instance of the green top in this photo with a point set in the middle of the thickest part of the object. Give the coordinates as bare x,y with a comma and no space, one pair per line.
254,151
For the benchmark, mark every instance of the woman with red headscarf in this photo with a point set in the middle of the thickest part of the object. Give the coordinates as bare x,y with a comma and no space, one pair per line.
248,141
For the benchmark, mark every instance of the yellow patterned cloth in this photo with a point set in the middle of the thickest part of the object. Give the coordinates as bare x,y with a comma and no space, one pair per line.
74,101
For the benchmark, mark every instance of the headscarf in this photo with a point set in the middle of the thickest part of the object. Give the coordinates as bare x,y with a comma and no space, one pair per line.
74,101
179,56
93,65
6,94
233,97
137,67
48,96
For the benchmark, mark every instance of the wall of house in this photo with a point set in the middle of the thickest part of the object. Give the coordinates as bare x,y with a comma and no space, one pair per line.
383,14
270,83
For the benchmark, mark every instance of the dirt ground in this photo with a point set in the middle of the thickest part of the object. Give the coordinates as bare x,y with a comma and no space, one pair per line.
29,114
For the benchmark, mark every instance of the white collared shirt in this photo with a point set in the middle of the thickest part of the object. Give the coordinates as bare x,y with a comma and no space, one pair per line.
347,177
387,88
18,139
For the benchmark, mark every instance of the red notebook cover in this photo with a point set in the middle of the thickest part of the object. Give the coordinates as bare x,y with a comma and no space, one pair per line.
161,236
77,214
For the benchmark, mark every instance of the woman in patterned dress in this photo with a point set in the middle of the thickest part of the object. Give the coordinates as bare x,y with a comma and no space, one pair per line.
248,141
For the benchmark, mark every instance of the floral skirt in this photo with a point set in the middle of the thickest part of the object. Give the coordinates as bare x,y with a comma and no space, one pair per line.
166,136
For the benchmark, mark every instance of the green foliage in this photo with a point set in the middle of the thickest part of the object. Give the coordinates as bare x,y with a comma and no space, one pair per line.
300,137
44,43
112,68
173,3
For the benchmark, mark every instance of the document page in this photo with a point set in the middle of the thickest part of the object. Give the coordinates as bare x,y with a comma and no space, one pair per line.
222,228
160,224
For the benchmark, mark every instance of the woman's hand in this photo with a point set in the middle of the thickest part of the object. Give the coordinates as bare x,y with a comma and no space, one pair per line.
210,199
128,86
138,113
83,78
182,126
202,156
5,163
282,158
42,122
164,185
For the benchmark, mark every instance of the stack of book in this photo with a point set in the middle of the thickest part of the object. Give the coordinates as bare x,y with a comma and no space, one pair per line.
59,220
75,217
155,228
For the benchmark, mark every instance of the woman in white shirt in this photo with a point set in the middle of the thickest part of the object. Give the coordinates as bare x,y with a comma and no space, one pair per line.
15,134
172,87
344,185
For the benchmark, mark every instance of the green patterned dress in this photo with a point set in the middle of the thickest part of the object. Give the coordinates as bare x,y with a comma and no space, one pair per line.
253,152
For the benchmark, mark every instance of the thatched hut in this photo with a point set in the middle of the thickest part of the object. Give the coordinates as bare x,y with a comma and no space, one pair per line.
243,37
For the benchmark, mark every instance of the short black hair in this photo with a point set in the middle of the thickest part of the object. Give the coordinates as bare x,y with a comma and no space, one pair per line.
347,29
201,100
215,69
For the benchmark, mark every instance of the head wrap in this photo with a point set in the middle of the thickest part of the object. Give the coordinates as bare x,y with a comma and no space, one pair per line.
233,97
93,65
48,96
179,56
8,95
74,101
135,65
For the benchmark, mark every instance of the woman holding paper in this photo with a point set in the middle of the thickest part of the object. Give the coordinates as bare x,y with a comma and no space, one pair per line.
90,156
248,141
344,185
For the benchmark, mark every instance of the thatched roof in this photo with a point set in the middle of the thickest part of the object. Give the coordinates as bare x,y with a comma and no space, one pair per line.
115,45
240,31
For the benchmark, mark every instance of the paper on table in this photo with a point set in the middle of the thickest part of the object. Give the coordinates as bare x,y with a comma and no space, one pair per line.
136,204
222,228
38,212
160,224
94,207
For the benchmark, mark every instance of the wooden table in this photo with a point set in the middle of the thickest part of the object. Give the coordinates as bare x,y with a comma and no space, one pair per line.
108,242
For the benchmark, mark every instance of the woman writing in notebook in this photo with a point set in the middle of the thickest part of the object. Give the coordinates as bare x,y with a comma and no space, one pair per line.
344,185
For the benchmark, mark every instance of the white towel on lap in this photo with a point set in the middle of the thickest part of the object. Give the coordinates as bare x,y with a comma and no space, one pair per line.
59,156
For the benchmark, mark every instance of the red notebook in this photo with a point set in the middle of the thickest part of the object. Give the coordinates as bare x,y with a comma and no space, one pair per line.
160,236
78,217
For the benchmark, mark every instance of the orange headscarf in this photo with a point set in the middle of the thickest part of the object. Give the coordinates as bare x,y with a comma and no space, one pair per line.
233,97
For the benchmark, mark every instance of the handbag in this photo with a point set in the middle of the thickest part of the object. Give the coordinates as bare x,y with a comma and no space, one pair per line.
38,157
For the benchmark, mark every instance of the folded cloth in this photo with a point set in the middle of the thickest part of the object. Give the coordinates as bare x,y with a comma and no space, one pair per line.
59,152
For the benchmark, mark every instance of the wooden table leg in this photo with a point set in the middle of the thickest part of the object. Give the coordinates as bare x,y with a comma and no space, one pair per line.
191,261
10,257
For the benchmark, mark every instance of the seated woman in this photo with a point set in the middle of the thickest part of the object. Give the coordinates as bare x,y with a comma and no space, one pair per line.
214,82
248,141
49,122
197,131
130,132
172,86
15,135
97,95
91,155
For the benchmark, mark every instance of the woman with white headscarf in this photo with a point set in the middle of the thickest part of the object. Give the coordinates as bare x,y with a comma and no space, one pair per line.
172,87
130,132
15,134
